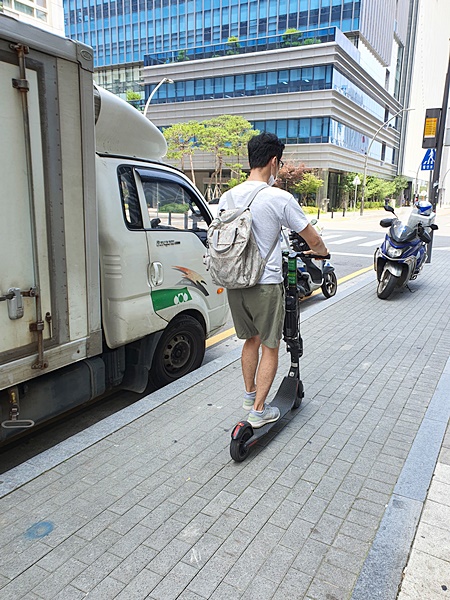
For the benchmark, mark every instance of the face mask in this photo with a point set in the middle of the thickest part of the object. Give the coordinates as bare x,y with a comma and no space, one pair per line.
272,179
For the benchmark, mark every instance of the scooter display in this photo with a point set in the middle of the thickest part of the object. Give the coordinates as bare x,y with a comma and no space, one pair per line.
403,252
290,393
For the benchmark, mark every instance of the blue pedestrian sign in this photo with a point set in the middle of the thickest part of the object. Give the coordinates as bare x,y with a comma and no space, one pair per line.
428,160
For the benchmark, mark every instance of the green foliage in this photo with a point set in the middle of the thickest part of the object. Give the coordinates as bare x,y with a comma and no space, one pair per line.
131,95
174,208
289,176
309,41
378,189
292,37
234,45
226,135
309,185
309,210
181,56
181,141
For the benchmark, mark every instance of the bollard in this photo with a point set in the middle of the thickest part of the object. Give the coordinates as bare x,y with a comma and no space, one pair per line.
332,212
318,213
343,211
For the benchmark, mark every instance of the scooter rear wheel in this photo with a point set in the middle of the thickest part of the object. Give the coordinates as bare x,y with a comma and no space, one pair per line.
329,285
386,285
238,450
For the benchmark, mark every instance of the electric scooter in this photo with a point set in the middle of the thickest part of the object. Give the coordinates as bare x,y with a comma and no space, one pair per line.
291,392
312,276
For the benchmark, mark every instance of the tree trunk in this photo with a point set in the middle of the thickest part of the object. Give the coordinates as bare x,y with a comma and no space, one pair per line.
192,168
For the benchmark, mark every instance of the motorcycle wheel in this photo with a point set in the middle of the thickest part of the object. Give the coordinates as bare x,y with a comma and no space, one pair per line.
329,285
386,285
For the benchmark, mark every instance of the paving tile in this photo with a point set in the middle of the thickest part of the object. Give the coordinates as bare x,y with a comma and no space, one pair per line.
426,577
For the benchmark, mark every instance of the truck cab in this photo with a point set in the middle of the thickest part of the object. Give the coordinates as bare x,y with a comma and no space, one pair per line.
102,285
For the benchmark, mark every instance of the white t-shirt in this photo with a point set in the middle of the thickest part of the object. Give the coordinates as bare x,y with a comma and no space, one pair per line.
271,209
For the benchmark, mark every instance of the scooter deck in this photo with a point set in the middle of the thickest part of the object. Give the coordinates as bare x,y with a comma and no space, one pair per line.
284,400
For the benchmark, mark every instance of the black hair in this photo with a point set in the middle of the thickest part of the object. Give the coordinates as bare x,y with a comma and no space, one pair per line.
262,148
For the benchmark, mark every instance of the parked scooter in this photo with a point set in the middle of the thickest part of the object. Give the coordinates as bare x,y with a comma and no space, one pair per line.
403,252
312,275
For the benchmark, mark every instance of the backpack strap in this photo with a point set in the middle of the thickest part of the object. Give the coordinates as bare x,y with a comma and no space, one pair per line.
243,208
265,260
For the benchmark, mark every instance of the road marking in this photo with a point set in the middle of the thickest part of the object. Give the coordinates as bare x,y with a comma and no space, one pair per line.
351,254
330,237
348,240
212,341
372,243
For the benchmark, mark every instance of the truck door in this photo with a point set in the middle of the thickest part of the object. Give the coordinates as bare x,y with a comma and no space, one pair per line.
175,219
23,227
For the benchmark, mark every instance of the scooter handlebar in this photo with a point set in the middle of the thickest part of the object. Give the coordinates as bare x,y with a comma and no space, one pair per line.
316,256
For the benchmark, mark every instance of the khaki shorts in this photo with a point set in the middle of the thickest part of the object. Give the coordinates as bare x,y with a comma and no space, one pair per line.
258,310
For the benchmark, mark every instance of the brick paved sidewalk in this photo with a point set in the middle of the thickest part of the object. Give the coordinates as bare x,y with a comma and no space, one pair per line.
158,510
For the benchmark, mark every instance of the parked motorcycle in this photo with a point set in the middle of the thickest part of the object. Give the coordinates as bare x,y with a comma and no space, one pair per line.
312,274
403,252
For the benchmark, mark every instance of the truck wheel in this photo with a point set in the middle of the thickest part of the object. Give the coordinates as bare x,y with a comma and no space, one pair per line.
386,285
180,350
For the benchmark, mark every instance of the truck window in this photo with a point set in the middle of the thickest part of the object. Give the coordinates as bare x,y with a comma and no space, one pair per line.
130,198
169,201
171,204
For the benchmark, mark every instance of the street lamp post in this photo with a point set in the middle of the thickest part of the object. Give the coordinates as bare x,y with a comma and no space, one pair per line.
368,151
149,99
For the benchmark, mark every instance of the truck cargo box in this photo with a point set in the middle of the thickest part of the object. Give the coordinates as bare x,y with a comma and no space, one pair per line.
49,282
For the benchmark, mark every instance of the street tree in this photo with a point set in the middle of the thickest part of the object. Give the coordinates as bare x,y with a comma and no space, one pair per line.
378,189
182,141
289,175
308,186
401,183
222,136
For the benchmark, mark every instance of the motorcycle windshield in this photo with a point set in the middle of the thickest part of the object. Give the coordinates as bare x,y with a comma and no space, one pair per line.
402,233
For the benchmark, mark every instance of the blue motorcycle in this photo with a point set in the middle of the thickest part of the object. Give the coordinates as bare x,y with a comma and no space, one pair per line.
403,252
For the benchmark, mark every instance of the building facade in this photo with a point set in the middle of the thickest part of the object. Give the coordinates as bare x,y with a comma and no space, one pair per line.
46,14
325,75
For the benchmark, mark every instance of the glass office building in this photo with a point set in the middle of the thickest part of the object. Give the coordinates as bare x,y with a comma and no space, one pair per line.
322,74
123,31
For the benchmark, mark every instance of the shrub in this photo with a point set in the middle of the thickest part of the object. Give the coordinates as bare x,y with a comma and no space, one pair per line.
174,208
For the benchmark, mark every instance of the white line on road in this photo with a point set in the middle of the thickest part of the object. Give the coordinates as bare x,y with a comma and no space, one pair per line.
372,243
351,239
330,237
349,254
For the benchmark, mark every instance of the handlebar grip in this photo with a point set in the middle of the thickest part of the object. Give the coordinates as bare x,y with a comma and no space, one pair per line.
316,256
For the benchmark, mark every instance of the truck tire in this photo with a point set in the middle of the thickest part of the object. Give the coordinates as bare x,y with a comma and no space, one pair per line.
386,285
180,350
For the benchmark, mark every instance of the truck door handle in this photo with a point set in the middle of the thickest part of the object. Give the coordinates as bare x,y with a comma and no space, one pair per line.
156,273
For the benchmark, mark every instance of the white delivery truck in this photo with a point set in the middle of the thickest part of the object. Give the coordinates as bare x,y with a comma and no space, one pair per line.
102,282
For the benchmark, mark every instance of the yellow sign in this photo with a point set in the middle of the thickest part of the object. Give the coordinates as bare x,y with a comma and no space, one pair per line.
430,127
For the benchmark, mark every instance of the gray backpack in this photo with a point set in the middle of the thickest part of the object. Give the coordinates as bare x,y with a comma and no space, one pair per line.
234,260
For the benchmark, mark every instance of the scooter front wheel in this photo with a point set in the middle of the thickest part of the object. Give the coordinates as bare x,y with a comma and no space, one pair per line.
329,285
386,285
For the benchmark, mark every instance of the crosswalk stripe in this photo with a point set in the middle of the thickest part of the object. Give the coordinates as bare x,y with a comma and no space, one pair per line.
348,240
350,254
372,243
330,237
